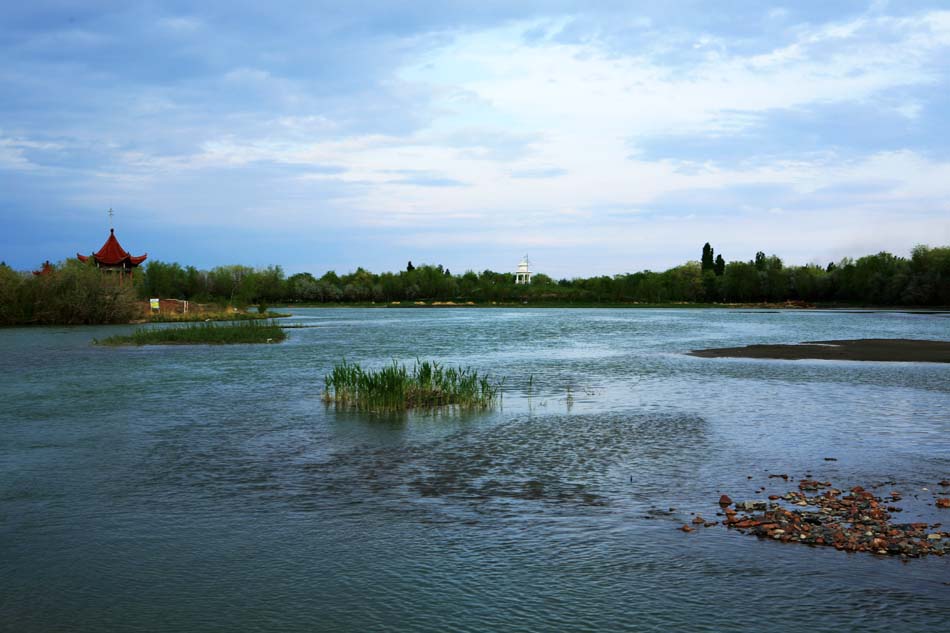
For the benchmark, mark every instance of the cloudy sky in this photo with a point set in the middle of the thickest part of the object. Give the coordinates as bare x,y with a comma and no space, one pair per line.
599,138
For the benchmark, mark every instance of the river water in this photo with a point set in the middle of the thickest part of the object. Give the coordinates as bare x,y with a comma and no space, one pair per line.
209,488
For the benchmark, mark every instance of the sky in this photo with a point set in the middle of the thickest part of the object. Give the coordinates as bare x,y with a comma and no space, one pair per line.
596,137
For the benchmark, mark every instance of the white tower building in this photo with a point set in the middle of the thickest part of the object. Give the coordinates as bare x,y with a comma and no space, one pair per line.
523,276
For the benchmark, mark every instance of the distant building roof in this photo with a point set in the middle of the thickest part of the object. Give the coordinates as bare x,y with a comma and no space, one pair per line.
45,270
112,254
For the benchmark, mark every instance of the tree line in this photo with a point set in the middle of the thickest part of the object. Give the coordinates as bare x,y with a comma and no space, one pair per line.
882,279
73,292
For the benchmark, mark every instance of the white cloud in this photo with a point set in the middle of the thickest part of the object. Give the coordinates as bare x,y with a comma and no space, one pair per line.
910,110
13,153
247,75
180,24
584,105
11,156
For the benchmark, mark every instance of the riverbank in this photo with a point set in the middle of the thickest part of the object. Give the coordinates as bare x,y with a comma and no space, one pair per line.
758,307
893,350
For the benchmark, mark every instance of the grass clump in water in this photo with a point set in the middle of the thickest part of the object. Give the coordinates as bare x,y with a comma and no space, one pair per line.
426,385
202,334
215,316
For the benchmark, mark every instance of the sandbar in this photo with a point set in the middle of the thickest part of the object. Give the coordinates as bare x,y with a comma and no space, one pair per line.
873,349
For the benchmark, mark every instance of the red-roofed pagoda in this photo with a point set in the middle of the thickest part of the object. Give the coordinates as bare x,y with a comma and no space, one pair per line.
113,257
47,269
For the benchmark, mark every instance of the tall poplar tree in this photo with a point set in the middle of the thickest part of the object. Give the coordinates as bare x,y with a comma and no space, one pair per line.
706,263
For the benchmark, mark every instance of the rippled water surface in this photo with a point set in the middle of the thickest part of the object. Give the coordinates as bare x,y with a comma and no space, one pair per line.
209,488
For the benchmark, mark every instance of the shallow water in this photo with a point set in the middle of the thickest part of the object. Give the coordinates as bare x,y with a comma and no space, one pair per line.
209,488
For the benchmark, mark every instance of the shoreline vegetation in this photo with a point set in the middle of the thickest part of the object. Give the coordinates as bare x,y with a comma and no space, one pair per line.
758,307
215,316
426,385
891,350
200,334
73,293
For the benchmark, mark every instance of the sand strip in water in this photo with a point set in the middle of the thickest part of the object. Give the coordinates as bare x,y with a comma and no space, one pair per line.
877,349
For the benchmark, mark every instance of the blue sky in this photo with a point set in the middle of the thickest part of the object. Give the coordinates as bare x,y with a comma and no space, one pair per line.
598,137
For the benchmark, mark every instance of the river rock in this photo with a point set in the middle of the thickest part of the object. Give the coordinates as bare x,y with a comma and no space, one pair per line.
855,522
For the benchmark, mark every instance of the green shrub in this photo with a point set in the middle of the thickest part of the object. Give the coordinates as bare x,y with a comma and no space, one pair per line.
72,294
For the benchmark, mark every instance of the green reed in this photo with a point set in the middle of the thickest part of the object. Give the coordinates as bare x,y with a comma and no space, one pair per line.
192,317
202,334
397,387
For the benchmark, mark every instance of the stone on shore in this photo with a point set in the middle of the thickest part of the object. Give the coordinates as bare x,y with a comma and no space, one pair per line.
853,522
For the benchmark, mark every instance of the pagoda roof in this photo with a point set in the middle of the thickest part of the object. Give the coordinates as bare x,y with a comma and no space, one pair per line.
45,270
112,254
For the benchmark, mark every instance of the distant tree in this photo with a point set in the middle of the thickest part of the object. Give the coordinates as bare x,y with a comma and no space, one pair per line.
760,263
707,263
196,283
328,293
740,282
391,287
684,283
302,287
468,284
410,267
809,282
78,294
710,285
929,280
773,279
161,279
720,265
879,279
237,285
270,284
12,310
433,283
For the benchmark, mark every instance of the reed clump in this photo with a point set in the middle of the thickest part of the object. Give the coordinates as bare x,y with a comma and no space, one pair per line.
202,334
396,387
215,316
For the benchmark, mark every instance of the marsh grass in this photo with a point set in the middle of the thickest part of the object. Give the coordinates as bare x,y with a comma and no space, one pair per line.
202,334
195,317
395,387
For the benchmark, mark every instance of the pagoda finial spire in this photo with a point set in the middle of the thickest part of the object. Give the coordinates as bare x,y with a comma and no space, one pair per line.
111,223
